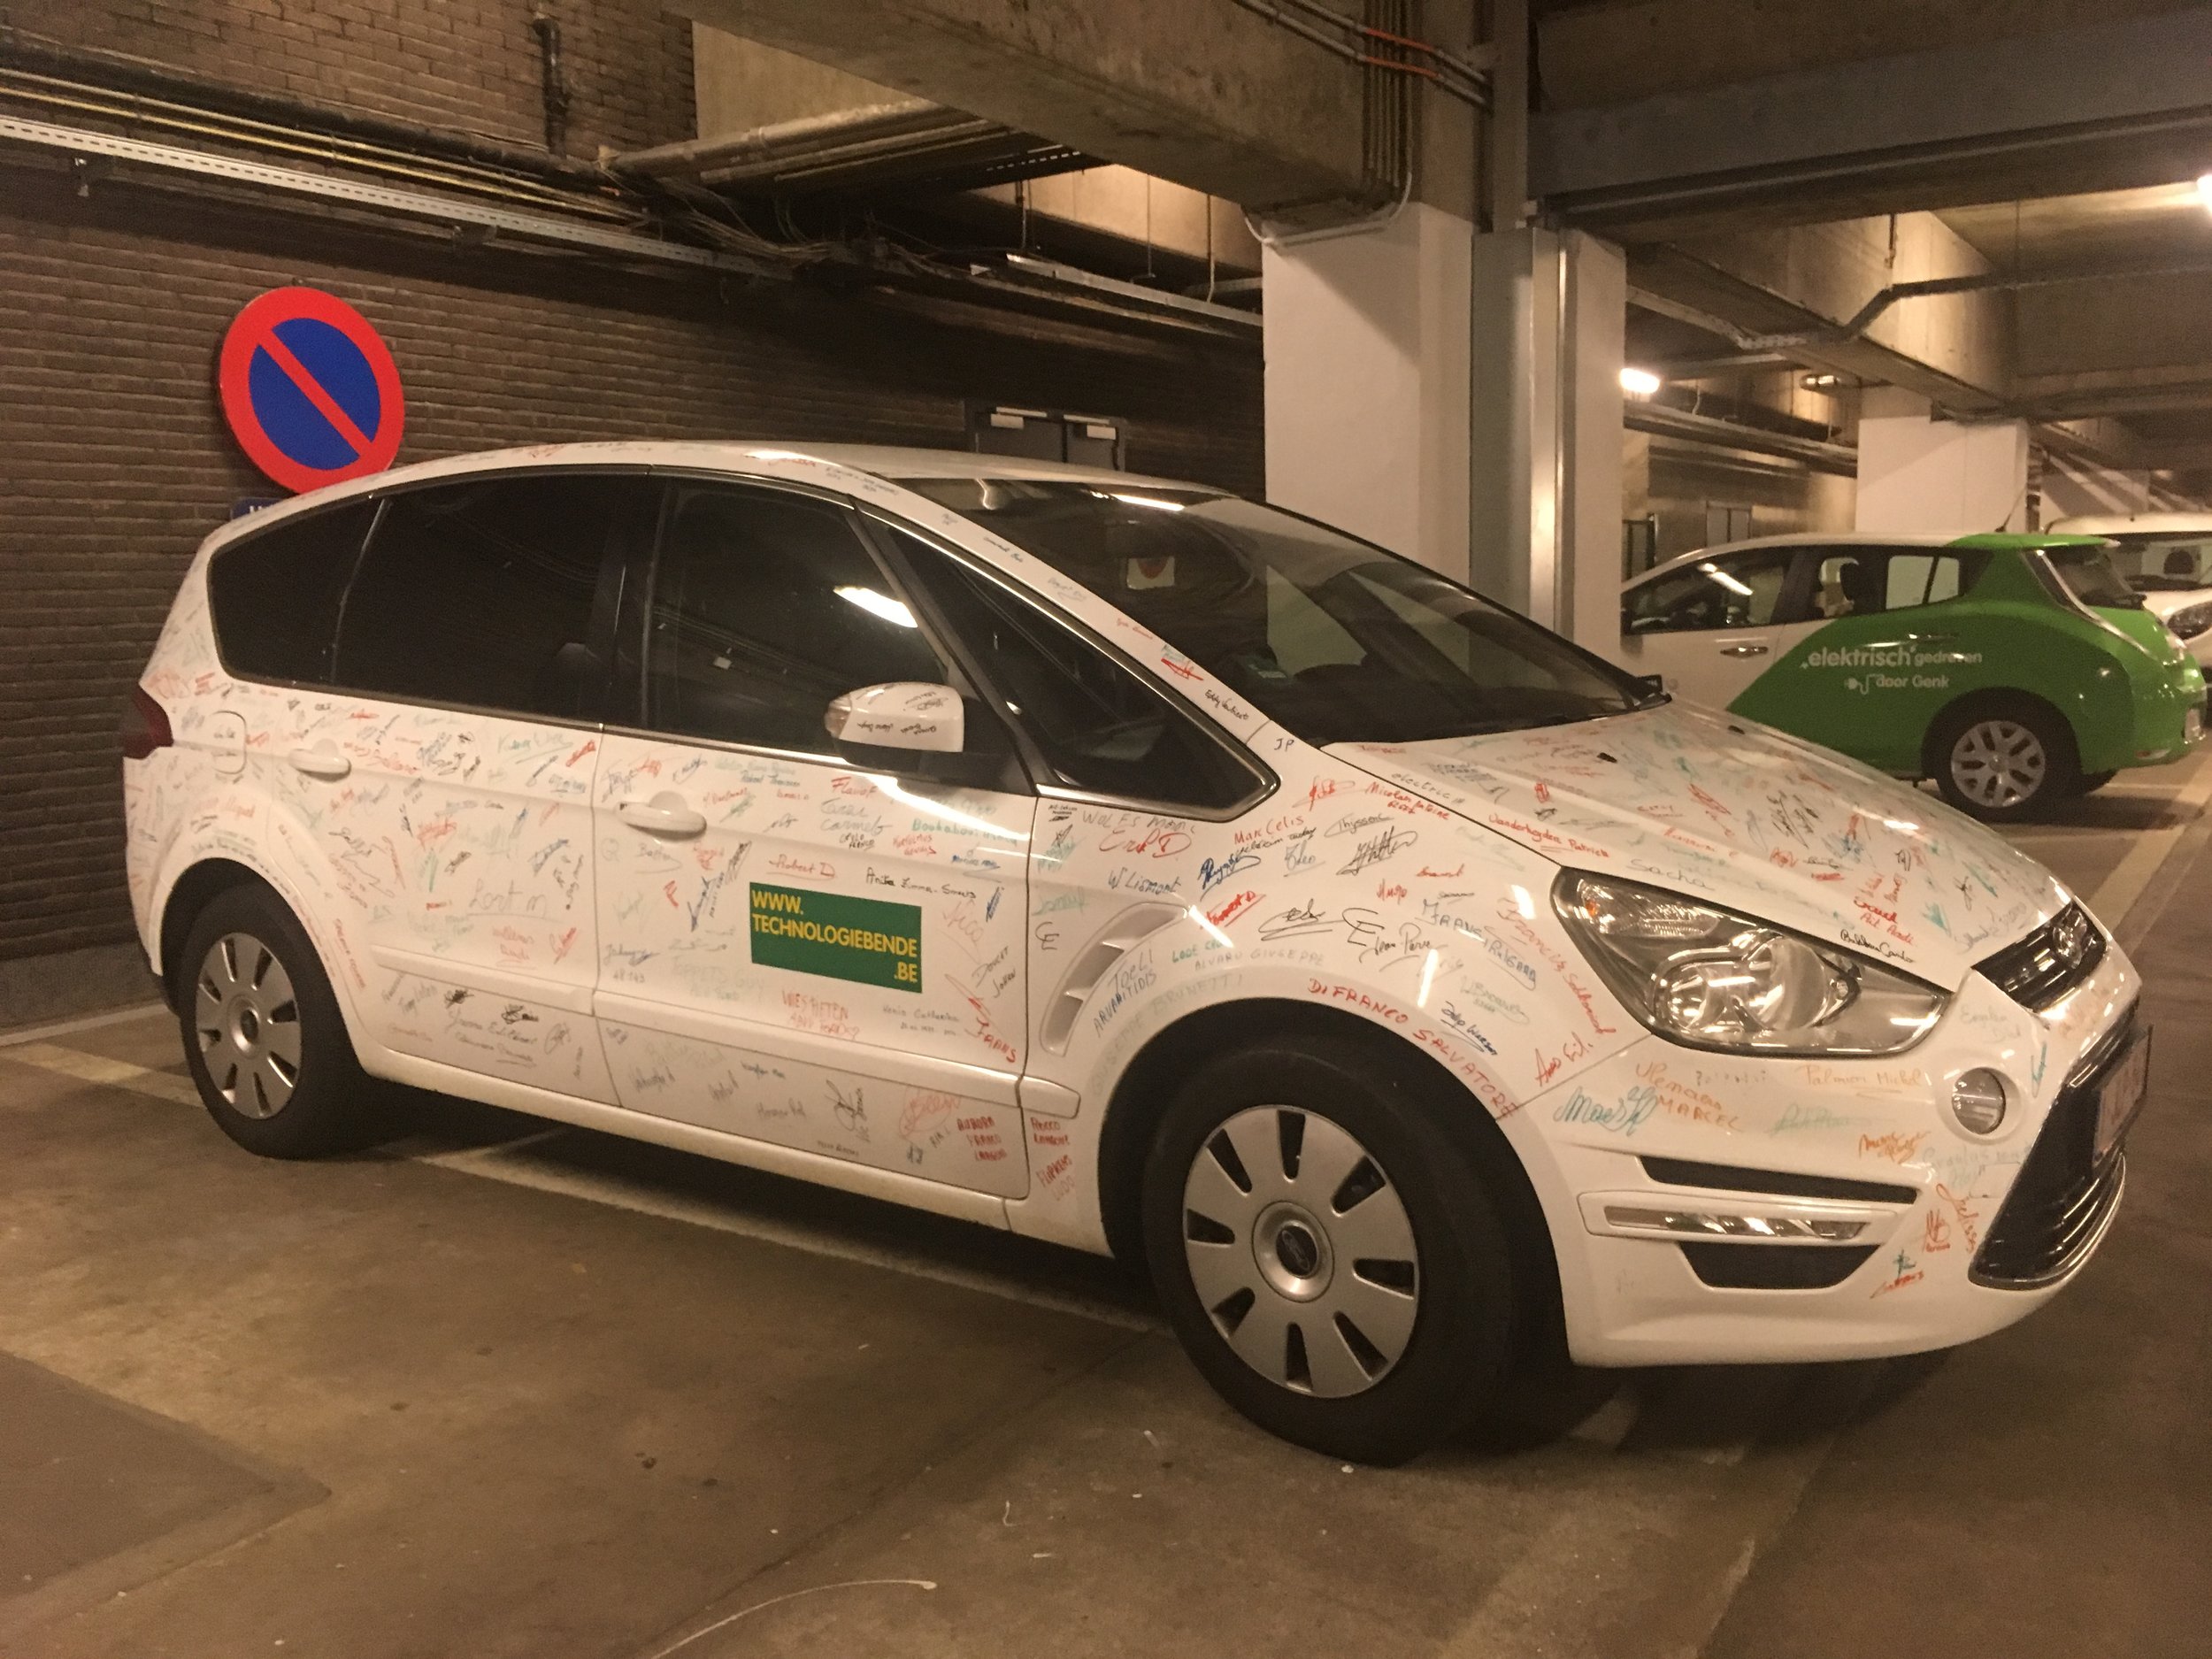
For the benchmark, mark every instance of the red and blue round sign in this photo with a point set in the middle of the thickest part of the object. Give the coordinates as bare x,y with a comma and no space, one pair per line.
311,392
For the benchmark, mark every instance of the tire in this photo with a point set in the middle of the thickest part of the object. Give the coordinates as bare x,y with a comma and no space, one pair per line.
263,1036
2003,761
1417,1258
2093,781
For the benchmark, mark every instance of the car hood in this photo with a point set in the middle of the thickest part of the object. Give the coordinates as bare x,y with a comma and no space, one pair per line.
2165,602
1711,804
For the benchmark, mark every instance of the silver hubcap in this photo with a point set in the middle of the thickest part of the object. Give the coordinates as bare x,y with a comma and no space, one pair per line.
1998,763
1301,1251
249,1024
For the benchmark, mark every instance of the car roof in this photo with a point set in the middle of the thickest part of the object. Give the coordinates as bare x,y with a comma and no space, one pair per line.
796,462
2138,523
1998,541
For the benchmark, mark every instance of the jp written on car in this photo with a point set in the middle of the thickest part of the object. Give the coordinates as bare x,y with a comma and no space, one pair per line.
1134,867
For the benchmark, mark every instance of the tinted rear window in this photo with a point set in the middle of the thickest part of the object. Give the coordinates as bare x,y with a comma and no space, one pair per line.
480,594
274,595
2089,576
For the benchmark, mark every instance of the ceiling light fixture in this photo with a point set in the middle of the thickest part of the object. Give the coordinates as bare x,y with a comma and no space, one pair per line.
1643,382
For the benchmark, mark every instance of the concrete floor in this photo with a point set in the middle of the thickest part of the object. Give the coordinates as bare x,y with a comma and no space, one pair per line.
497,1390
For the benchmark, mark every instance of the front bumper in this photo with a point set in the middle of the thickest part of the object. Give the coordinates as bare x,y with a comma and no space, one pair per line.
1881,1228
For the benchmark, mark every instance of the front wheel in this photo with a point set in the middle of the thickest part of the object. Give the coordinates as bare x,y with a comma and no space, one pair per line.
263,1036
1329,1255
2002,762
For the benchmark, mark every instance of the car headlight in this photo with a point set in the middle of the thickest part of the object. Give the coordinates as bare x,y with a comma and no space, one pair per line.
1709,978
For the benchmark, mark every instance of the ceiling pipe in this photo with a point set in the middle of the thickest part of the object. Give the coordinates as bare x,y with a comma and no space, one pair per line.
1896,292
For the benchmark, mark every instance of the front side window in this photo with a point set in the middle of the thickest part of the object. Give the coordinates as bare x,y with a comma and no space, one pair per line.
2087,574
1100,728
765,607
1739,590
274,594
1334,639
480,593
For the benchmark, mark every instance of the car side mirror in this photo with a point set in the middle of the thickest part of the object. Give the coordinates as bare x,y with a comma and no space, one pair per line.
904,714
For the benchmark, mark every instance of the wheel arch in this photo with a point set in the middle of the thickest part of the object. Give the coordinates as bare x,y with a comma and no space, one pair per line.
194,890
1991,699
1140,1095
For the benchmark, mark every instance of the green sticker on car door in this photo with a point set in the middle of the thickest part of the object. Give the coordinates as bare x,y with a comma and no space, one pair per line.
866,940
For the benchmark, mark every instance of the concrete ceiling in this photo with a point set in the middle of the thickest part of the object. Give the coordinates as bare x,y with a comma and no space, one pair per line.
2104,226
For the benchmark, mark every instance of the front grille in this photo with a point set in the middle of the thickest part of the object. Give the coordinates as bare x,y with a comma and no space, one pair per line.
2049,961
2063,1196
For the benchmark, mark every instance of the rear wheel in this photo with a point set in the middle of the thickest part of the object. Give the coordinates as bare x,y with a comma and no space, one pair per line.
263,1035
2093,781
1330,1256
2004,761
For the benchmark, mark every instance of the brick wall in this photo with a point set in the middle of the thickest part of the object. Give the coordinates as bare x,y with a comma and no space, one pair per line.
472,66
111,307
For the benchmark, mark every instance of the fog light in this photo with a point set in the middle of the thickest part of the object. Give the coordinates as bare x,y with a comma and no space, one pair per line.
1978,1101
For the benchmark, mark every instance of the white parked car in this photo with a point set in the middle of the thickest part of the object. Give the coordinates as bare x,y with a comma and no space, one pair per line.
2167,557
1133,866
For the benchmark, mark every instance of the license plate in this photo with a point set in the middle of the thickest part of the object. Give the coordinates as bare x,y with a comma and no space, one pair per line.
2120,1096
2193,724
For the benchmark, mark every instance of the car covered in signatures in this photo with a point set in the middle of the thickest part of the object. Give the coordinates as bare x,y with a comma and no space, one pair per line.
1418,998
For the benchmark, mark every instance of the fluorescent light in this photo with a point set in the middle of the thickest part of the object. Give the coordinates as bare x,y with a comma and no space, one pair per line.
1639,382
1148,500
877,604
2204,189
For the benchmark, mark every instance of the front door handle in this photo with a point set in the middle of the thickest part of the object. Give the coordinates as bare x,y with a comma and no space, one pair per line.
1743,650
322,761
666,814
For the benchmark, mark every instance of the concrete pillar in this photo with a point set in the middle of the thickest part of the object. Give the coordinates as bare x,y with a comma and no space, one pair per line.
1366,385
1457,398
1920,476
1545,528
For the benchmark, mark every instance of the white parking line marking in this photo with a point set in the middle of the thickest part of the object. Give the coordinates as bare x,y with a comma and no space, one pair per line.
507,1162
93,1068
504,1161
89,1022
2118,891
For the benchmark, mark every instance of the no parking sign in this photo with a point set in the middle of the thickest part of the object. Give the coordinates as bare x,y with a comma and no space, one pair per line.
311,392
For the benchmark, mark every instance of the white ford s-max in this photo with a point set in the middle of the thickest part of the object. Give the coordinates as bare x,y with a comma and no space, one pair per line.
1133,866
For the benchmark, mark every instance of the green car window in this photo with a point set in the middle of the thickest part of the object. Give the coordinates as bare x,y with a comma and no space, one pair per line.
2088,575
1739,591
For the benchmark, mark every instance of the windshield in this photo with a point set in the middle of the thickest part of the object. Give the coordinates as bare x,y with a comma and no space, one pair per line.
2089,576
2153,563
1336,640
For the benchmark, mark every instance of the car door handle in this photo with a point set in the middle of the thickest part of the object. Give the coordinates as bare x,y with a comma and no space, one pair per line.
663,815
320,762
1743,650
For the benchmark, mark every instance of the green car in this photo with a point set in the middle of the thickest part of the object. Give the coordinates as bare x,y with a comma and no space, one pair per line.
2016,670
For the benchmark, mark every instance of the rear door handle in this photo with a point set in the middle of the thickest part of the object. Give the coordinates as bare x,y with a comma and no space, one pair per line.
322,761
666,814
1743,650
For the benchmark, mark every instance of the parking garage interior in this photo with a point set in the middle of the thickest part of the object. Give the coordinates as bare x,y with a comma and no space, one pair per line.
1540,295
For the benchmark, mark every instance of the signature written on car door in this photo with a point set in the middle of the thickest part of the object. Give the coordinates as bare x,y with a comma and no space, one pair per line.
445,778
796,946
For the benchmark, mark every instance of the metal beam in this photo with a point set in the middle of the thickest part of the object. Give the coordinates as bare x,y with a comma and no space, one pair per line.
2097,107
1664,422
1212,95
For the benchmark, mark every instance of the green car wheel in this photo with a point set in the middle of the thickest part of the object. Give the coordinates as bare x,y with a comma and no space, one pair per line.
2003,761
